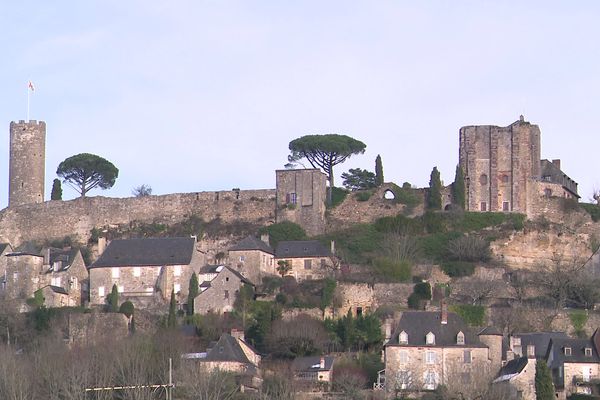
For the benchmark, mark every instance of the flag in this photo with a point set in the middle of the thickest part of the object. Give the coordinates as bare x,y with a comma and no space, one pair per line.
30,86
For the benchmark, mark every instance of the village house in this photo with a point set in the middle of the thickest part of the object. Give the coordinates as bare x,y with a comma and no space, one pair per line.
219,285
253,258
60,275
313,370
145,271
428,349
517,378
307,259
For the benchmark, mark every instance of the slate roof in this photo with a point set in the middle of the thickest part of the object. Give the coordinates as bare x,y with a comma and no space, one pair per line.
417,324
310,364
540,340
216,269
153,252
56,289
511,369
252,243
301,248
3,247
26,249
557,355
490,331
226,349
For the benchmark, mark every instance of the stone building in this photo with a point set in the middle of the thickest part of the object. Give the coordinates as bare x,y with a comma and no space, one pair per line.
428,349
27,162
145,271
253,258
60,273
313,369
503,169
301,198
308,259
517,378
219,286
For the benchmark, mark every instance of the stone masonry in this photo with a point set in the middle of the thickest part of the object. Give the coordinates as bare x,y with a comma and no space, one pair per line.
27,162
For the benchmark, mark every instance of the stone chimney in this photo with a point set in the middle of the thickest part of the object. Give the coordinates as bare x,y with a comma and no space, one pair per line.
387,325
556,163
101,245
47,256
322,362
444,307
333,247
265,238
238,334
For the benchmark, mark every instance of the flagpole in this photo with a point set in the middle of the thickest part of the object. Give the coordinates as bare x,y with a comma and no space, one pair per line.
28,101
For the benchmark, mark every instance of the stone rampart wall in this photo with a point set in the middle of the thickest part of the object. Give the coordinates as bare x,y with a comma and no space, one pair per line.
76,218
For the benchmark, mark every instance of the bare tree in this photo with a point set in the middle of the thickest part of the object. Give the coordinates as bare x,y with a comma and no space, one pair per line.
15,375
477,290
197,382
400,247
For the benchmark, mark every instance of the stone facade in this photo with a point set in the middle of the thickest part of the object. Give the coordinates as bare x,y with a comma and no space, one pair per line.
218,292
301,198
498,163
253,264
27,162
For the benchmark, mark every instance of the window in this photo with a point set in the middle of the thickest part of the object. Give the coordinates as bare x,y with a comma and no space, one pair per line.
430,380
177,270
547,192
73,283
460,338
467,356
323,263
567,351
403,357
504,178
430,338
55,281
226,294
242,258
359,311
177,287
291,198
307,264
483,179
430,357
226,279
530,350
121,289
483,206
101,291
588,352
137,271
15,276
403,338
505,206
114,272
403,379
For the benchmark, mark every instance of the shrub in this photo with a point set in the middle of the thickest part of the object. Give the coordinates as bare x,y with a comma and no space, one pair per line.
472,314
415,302
363,195
127,308
37,300
434,222
395,271
578,319
423,290
406,195
457,269
400,224
469,248
338,195
435,247
283,231
593,210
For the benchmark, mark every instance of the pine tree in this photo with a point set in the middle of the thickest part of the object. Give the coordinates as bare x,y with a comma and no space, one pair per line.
378,171
434,199
192,293
544,388
172,318
113,299
56,190
458,188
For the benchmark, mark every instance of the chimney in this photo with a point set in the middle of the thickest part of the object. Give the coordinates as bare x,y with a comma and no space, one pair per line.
322,362
47,257
101,245
333,247
387,324
444,307
238,334
265,238
556,163
521,118
530,351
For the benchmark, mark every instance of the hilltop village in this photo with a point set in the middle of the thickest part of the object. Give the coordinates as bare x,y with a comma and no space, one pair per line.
483,289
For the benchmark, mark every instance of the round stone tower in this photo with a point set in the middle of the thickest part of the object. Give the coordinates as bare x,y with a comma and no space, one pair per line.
27,162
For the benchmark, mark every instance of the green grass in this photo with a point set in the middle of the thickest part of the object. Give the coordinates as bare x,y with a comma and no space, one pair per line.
473,315
592,209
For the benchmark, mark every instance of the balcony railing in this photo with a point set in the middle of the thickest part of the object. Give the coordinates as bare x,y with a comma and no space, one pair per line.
380,384
586,379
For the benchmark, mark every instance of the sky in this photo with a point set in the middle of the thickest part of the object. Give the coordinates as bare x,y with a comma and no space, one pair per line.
189,96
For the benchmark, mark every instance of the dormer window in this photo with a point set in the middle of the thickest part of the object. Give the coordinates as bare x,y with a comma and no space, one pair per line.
588,351
403,338
567,351
430,338
460,338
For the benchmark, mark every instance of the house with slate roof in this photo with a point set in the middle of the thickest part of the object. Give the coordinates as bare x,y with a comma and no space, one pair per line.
60,273
145,270
309,259
219,285
575,365
313,369
253,258
428,349
517,378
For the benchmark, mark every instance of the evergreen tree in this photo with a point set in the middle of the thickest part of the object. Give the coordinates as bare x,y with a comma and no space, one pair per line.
378,171
434,199
113,299
56,190
458,188
544,388
192,293
172,318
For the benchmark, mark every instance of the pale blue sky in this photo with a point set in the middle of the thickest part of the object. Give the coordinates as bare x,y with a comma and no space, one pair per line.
205,95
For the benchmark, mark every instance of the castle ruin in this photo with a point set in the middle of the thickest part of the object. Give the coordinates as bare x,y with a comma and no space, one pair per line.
27,162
